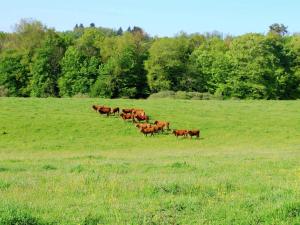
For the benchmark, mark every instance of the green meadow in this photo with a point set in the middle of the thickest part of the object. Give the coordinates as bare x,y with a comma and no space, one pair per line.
63,163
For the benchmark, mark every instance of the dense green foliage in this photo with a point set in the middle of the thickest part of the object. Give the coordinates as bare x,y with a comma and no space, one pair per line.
96,61
62,163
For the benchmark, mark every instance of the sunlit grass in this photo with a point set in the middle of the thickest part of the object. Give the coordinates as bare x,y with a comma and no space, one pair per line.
61,162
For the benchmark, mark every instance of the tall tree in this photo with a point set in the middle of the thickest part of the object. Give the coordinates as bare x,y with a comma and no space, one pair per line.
294,46
78,72
122,74
120,31
46,68
3,37
167,63
28,36
277,28
210,66
14,73
89,42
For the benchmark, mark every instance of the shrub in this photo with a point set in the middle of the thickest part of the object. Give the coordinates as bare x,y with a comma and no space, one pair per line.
163,94
80,95
184,95
3,91
181,95
206,96
195,95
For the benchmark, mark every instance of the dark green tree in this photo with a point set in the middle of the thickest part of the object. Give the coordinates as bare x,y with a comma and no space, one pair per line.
122,74
279,29
210,66
120,31
78,72
167,63
14,73
46,68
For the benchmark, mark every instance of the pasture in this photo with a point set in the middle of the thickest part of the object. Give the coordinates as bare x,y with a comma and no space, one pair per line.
63,163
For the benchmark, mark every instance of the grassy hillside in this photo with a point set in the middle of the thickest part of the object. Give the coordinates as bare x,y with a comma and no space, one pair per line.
62,163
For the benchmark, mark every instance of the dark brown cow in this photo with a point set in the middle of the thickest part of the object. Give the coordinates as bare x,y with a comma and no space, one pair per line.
104,110
180,133
126,116
140,118
194,133
163,124
115,110
148,130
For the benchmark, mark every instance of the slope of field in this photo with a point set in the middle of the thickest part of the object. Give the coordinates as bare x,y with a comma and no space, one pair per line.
62,163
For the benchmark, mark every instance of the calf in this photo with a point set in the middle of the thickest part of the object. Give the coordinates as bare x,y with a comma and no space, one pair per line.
180,133
115,110
194,133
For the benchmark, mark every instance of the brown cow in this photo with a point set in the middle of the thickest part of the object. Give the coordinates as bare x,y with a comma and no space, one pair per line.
96,107
143,125
158,128
148,130
104,110
140,117
163,124
138,111
126,116
194,133
115,110
180,133
127,110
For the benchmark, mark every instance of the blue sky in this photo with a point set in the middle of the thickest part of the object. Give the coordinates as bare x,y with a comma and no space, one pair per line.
157,17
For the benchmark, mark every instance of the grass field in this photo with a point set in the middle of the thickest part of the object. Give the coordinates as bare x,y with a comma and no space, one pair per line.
62,163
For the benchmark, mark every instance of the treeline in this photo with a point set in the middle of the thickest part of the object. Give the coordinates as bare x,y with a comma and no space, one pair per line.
94,61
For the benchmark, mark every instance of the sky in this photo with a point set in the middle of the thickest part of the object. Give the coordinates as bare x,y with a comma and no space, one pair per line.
156,17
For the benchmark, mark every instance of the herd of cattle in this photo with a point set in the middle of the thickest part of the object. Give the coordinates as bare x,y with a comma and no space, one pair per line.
141,121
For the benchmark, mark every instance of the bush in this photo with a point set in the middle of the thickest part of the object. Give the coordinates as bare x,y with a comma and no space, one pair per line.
206,96
181,95
163,94
3,91
80,95
195,95
184,95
